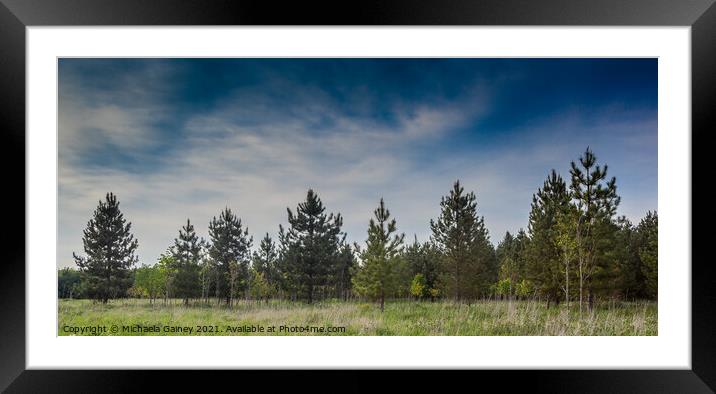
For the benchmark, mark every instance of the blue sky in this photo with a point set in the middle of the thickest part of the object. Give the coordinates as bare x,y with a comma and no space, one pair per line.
178,138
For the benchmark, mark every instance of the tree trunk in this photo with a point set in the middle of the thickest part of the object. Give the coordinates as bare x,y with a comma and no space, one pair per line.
581,287
382,301
566,277
457,280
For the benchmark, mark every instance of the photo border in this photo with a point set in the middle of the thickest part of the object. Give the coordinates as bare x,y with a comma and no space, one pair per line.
16,15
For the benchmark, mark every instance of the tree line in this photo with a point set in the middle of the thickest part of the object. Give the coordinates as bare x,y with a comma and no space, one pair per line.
575,249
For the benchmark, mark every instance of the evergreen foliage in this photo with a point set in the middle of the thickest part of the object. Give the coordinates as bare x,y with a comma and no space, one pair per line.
546,265
596,201
648,230
229,242
71,284
265,260
574,248
186,254
343,271
379,273
462,238
424,260
109,247
310,247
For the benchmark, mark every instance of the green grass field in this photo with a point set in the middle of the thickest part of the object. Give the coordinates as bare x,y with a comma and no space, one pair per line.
139,317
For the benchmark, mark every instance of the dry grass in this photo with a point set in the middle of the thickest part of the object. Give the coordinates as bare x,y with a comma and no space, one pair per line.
400,317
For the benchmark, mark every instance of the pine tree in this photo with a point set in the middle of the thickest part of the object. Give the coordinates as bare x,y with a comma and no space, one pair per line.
649,252
507,260
311,246
265,260
596,201
547,268
109,246
70,283
511,254
424,260
521,247
343,271
505,248
230,241
285,279
377,276
629,278
234,280
463,239
186,253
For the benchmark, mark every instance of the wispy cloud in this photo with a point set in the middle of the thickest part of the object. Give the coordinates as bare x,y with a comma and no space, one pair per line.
259,148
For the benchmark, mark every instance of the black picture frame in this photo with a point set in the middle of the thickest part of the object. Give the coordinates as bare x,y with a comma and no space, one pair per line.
16,15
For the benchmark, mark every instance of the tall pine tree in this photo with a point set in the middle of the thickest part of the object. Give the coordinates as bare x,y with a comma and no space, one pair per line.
464,241
595,200
286,282
649,252
186,253
377,277
343,271
230,242
629,278
109,246
265,260
312,244
547,268
505,248
507,261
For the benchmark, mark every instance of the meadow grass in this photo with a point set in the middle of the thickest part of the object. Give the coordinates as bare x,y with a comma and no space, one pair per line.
489,317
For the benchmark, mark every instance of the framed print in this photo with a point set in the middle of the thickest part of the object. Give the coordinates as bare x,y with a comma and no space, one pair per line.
472,186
